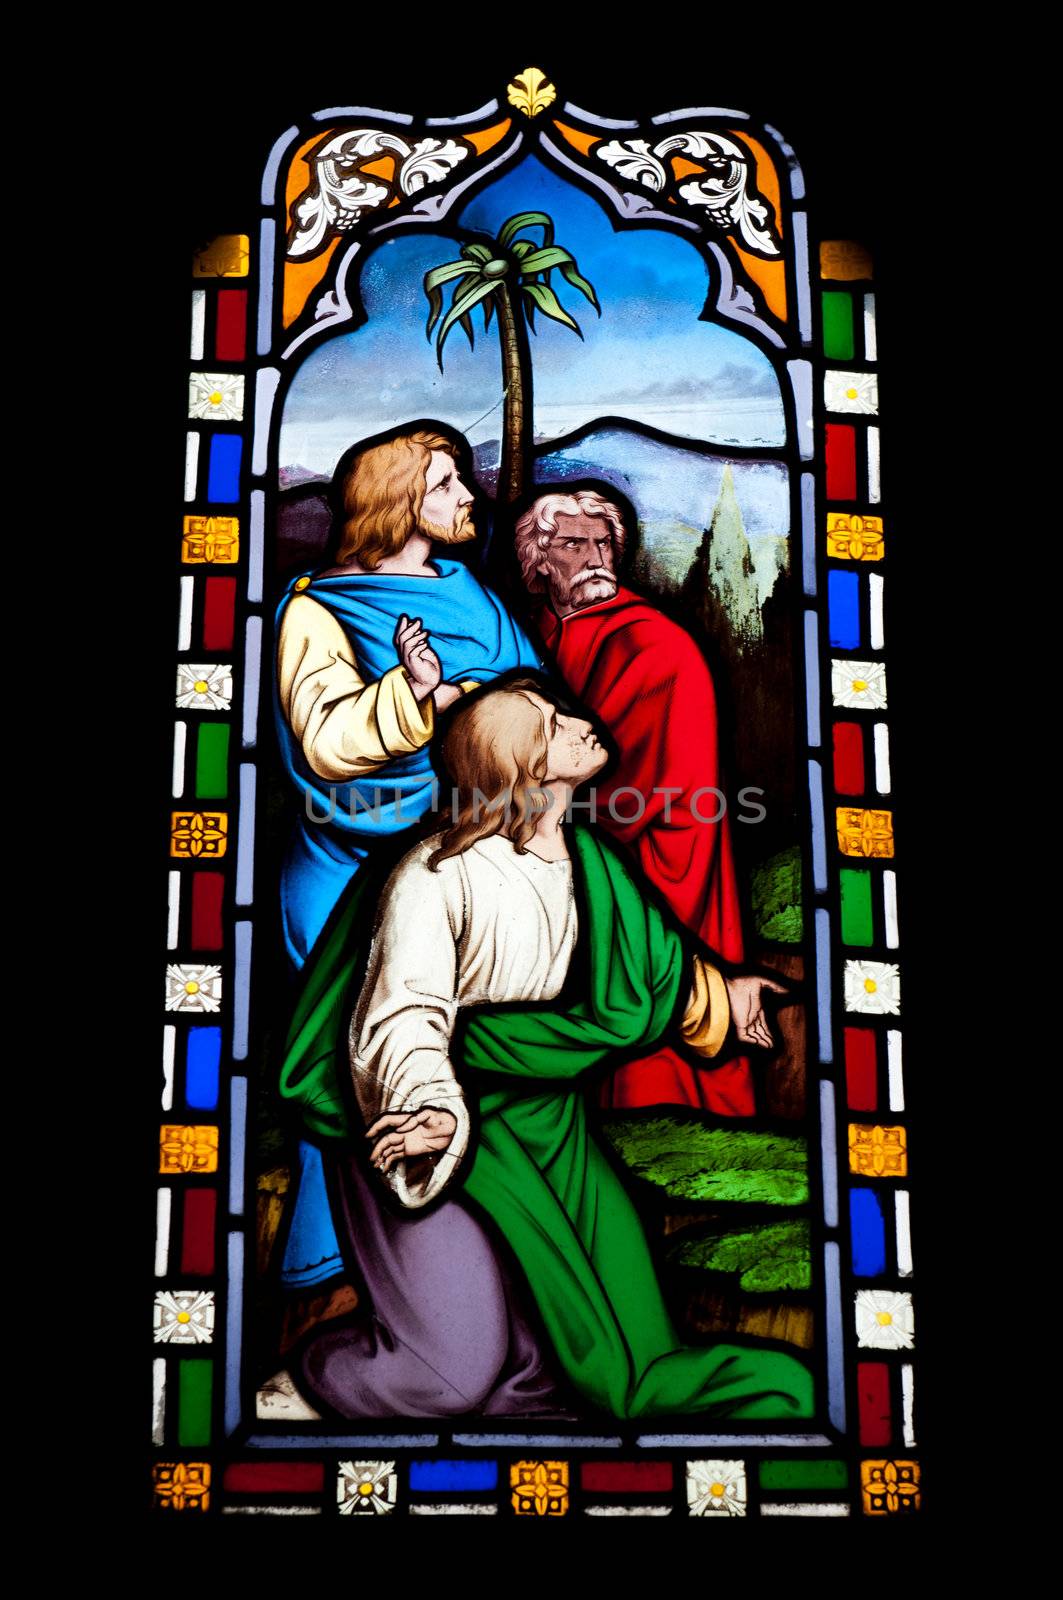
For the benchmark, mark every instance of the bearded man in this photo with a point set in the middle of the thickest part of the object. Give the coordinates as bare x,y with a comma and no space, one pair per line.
369,649
649,684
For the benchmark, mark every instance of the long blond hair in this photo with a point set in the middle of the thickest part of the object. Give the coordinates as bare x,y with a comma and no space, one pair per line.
495,751
381,490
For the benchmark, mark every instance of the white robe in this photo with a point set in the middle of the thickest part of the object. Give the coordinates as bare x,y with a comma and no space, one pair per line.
489,925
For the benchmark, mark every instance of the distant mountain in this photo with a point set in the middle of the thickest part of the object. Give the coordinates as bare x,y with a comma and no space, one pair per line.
293,477
674,486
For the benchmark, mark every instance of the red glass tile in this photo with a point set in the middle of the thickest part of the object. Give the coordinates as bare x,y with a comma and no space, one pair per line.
873,1391
841,461
208,889
848,758
618,1477
230,342
861,1074
197,1242
219,607
275,1477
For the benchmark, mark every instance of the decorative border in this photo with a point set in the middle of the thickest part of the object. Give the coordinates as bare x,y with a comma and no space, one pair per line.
203,1227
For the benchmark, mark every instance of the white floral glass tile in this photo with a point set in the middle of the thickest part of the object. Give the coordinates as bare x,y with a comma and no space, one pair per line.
193,988
873,987
204,686
216,396
852,392
365,1488
884,1319
184,1316
858,685
716,1488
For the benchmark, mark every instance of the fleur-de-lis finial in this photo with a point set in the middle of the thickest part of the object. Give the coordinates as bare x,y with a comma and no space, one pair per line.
531,92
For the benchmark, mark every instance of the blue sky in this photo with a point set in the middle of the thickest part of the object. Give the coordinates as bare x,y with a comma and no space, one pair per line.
647,358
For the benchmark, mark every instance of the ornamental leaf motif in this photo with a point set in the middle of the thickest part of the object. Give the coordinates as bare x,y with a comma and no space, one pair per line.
726,190
429,162
531,92
633,160
340,194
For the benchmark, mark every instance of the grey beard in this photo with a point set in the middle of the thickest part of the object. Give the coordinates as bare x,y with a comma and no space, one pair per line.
588,590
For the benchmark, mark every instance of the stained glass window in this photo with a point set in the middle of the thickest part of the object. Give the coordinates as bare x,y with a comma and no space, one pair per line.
533,417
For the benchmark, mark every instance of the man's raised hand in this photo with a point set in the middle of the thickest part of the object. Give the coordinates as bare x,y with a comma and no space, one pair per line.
419,1133
746,995
417,656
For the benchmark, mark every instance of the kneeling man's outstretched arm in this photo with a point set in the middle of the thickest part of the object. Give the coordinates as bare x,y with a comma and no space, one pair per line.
716,1001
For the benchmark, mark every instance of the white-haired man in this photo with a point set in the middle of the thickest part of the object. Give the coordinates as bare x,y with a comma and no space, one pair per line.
644,677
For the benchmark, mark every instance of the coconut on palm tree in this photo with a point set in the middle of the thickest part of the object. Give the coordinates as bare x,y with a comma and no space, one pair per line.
509,274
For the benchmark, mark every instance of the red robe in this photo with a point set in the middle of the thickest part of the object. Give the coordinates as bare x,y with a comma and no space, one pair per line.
644,677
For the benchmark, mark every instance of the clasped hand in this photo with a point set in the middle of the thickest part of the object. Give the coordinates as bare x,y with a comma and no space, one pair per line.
418,1133
421,663
417,656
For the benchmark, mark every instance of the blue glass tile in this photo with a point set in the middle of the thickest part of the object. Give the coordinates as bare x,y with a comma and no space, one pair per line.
869,1233
843,603
223,481
438,1476
202,1067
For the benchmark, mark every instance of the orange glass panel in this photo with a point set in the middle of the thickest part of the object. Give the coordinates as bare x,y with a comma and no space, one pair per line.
486,137
575,136
384,168
302,277
769,276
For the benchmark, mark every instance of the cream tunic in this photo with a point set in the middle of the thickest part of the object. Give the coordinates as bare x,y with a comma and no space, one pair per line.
490,925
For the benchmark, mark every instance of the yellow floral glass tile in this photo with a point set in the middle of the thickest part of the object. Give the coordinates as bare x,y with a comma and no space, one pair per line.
865,833
844,260
876,1152
214,541
531,92
199,833
188,1148
889,1487
182,1485
227,255
540,1488
854,538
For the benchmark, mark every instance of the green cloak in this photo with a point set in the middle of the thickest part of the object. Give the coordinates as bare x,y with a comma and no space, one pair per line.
536,1169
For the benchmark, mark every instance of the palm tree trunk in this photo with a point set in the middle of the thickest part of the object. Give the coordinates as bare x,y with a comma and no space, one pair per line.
516,410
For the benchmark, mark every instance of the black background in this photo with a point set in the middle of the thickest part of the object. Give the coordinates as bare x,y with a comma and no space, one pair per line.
184,162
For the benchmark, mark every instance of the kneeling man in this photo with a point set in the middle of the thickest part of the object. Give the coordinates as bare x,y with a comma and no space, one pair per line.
513,956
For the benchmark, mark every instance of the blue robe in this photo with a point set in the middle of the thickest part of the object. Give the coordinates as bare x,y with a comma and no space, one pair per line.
474,637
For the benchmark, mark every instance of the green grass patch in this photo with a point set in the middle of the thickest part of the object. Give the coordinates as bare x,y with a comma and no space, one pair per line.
693,1162
776,893
767,1259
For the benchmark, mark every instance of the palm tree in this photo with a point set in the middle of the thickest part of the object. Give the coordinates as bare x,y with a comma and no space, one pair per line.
504,275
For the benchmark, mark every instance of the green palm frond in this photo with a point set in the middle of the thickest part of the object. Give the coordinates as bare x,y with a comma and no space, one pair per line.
547,302
432,282
461,305
505,270
527,219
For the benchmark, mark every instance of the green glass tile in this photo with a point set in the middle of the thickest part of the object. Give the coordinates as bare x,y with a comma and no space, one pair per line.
193,1407
803,1475
857,923
212,761
837,325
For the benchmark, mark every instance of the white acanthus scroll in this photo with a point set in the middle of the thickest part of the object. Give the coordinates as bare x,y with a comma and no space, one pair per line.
340,194
726,191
